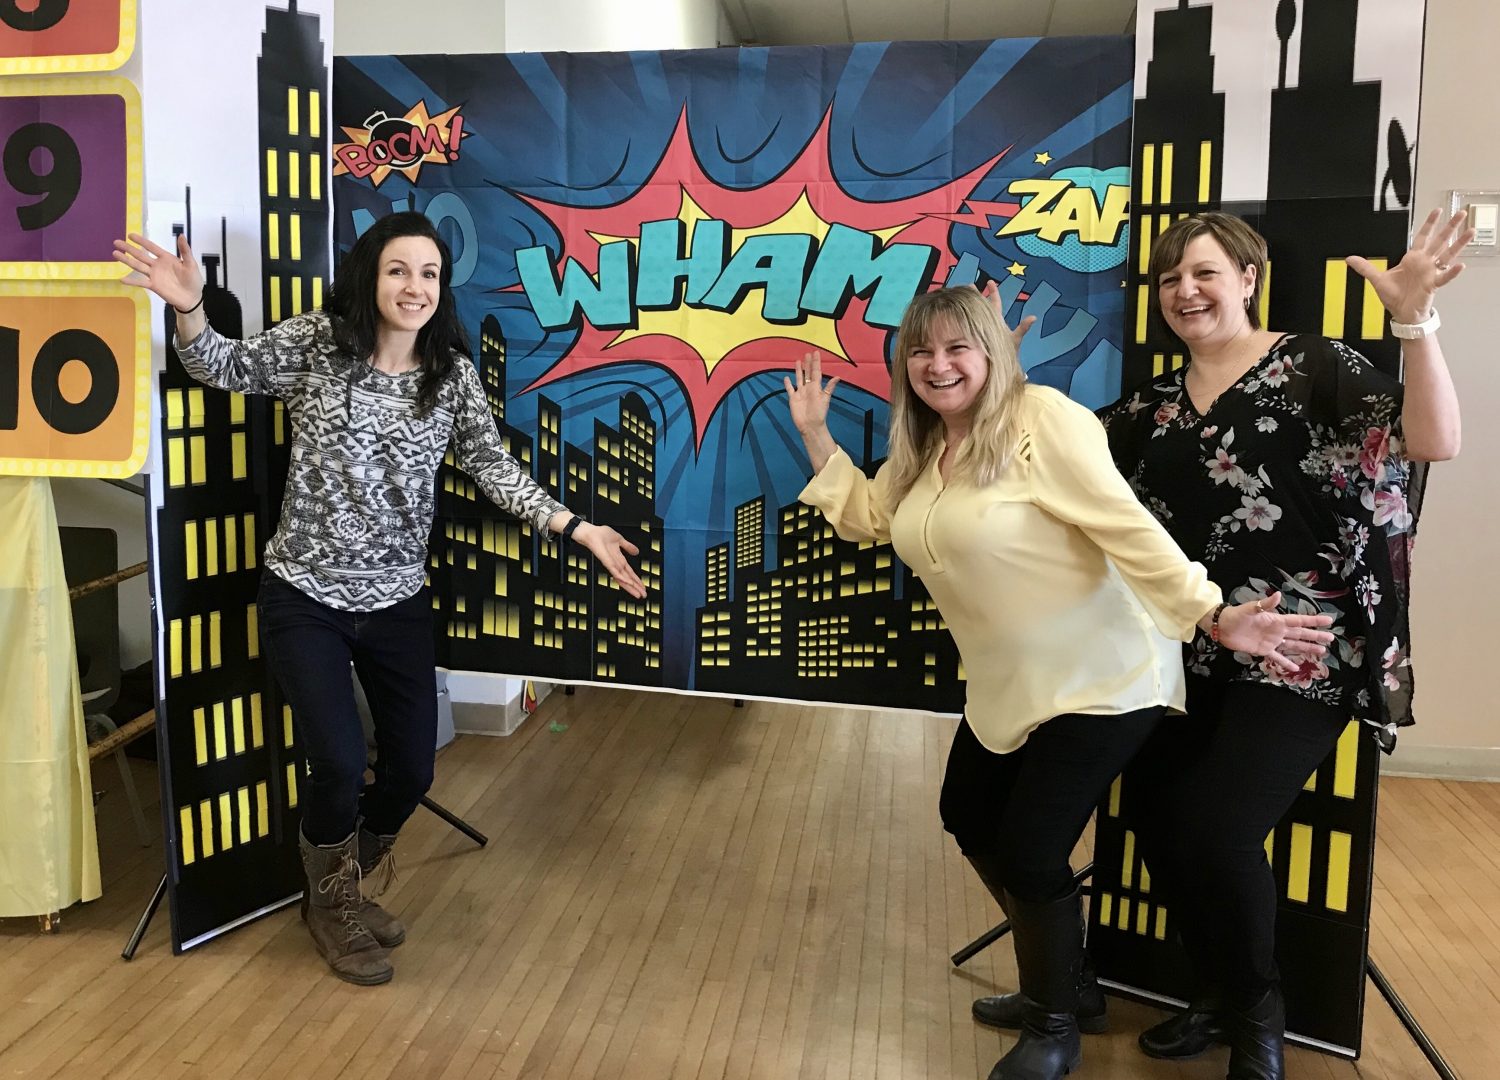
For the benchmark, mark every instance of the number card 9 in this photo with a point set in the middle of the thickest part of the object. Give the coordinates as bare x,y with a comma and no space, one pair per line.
75,373
51,36
70,175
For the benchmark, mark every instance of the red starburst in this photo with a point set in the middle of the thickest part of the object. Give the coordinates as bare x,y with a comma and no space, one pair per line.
706,364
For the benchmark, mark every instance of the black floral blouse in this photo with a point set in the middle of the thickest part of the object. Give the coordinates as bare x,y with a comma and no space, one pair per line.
1295,480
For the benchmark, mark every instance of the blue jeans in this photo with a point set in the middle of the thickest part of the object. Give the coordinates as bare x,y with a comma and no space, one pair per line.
310,647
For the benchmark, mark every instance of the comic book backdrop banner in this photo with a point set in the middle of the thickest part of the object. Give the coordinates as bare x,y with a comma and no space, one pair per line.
645,243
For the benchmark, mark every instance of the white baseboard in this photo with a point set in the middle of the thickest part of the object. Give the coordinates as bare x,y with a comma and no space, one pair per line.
1443,762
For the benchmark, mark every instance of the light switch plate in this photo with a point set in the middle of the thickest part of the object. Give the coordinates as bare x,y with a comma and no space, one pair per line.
1483,208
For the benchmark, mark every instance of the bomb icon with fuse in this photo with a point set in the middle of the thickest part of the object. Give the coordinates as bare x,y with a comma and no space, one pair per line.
393,140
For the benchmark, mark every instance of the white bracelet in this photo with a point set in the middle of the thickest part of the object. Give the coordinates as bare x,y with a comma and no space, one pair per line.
1411,331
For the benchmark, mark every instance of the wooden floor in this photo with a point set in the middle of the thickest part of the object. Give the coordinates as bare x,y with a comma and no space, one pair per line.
676,888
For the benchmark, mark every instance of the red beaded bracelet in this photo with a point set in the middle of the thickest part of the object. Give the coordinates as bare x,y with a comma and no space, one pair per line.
1213,629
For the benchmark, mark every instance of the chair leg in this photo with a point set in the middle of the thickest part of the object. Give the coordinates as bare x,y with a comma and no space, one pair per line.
127,781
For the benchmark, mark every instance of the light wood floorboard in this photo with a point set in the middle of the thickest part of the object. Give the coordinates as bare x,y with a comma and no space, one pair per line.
678,889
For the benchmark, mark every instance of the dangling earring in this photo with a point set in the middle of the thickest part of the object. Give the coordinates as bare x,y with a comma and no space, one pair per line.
1247,303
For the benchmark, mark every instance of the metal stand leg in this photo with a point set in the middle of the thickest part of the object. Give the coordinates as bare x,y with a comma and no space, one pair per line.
145,920
995,933
457,822
1409,1022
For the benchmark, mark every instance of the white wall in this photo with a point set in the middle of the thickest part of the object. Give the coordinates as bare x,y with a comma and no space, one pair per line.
387,27
390,27
613,25
1456,591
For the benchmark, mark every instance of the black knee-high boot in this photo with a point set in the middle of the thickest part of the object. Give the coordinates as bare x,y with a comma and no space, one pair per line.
1204,1023
1049,956
1256,1038
1009,1010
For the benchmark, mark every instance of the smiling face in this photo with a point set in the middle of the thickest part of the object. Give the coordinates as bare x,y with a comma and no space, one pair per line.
1203,297
406,283
948,372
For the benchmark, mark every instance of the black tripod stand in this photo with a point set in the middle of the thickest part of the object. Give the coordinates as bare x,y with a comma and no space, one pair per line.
1393,999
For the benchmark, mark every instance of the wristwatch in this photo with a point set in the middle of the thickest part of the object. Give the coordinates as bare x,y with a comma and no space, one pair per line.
1411,331
572,526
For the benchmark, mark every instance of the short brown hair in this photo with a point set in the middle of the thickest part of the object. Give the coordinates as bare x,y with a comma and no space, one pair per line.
1240,242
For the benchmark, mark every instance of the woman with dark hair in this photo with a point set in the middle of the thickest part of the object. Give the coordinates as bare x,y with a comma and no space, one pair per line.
1284,462
1067,602
378,385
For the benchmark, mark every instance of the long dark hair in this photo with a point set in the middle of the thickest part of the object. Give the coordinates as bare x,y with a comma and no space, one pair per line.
355,318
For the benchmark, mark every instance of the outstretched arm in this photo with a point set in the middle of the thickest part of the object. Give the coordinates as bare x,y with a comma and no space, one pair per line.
609,548
1429,411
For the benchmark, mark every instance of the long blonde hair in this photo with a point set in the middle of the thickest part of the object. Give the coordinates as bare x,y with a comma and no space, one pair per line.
916,431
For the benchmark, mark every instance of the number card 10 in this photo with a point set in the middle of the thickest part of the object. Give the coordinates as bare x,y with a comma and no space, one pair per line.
70,175
50,36
75,374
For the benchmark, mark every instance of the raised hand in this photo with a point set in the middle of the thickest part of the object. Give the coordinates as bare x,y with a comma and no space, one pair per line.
991,292
808,397
1408,288
610,549
1259,629
176,278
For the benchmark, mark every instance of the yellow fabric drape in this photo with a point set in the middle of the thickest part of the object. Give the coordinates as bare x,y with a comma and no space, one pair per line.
49,854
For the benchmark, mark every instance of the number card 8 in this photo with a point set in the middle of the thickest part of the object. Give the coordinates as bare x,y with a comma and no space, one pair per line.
75,373
70,175
52,36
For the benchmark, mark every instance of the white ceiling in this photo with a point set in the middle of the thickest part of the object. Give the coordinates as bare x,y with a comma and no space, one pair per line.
837,22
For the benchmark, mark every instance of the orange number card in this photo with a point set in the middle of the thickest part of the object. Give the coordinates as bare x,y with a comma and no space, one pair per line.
75,369
45,37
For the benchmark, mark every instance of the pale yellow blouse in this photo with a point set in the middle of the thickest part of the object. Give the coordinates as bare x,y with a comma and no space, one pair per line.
1063,594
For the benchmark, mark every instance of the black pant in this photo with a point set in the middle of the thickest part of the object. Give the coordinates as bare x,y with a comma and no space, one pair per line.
1024,811
1202,796
310,646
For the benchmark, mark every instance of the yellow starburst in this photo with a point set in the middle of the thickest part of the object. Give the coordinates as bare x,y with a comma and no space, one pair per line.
716,334
419,118
1043,158
1016,269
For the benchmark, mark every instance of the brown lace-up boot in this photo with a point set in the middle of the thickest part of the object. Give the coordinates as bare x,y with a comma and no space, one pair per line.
331,908
377,862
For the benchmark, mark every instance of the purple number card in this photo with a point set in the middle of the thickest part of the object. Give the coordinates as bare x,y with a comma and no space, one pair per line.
69,176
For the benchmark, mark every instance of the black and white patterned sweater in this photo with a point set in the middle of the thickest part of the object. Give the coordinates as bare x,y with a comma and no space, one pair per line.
360,491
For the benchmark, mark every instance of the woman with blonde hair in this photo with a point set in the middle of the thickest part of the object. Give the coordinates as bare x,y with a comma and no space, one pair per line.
1067,602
